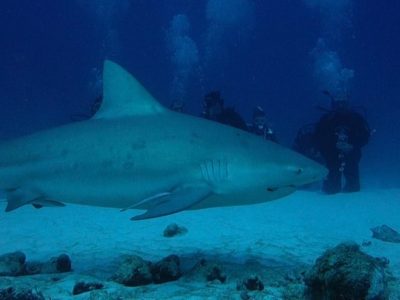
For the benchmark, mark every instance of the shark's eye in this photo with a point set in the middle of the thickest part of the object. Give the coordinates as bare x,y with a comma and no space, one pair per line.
299,171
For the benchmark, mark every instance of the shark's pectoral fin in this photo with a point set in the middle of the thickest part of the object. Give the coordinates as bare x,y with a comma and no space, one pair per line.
23,196
148,201
176,201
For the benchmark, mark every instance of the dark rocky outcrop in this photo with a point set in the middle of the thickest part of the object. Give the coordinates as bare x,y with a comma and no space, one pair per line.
133,271
167,269
15,264
251,283
12,264
59,264
345,272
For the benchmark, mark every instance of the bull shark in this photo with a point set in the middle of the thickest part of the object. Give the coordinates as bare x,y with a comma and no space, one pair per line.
136,154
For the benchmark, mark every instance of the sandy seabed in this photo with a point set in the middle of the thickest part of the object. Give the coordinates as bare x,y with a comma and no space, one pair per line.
267,239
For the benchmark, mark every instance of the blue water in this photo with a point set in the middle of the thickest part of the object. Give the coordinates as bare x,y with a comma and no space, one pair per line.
278,54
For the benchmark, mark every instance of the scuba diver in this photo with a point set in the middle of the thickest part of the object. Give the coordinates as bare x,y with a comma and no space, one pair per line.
93,110
213,109
96,105
304,143
339,136
260,127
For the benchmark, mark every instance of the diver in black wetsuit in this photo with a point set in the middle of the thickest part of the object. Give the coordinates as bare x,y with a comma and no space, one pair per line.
339,136
260,126
214,110
93,110
305,144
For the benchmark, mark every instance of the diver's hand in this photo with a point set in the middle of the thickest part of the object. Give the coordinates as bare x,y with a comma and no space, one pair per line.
344,147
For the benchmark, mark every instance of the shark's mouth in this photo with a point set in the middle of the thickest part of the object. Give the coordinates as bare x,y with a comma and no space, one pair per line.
277,188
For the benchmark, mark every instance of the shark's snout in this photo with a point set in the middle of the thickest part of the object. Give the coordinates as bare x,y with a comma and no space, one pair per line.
319,172
316,172
308,173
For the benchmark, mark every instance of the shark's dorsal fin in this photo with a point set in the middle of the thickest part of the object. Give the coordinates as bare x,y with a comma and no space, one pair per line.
123,95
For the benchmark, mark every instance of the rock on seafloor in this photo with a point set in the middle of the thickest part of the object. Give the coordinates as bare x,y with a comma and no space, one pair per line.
211,278
386,234
135,271
207,280
15,264
345,272
12,264
173,230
